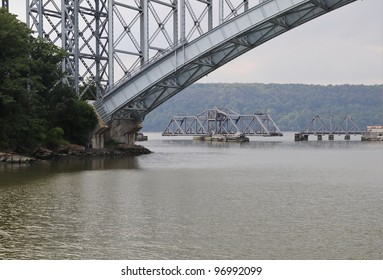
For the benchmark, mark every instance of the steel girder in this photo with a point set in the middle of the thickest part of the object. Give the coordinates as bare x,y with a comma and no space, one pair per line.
109,39
222,121
81,27
186,63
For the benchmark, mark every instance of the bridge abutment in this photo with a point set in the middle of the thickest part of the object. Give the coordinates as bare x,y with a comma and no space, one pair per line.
123,131
120,131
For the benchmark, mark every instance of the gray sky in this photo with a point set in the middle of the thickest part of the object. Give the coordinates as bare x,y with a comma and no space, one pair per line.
341,47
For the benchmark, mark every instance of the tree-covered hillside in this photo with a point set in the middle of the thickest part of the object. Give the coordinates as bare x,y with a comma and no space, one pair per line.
290,105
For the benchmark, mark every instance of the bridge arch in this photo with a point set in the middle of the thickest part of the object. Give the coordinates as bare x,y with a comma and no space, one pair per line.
186,62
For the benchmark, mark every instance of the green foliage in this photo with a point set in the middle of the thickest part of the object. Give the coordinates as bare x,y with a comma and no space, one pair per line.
77,119
290,105
34,107
55,138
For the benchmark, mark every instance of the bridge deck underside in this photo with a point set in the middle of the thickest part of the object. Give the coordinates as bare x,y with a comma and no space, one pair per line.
189,62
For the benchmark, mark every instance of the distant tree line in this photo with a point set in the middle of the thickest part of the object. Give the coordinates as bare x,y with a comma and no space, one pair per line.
36,109
290,105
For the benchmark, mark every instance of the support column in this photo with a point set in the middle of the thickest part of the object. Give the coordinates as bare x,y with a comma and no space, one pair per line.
220,11
210,15
123,131
175,21
144,31
181,8
76,29
40,23
28,9
97,56
110,43
246,4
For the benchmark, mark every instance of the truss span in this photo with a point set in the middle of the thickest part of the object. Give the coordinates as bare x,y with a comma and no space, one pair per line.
187,62
224,122
321,126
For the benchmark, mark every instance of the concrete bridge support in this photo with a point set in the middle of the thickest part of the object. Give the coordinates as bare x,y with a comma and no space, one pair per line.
119,130
123,131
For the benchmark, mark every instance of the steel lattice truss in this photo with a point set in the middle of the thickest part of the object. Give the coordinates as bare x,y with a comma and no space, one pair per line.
134,55
108,40
81,27
184,64
222,121
318,126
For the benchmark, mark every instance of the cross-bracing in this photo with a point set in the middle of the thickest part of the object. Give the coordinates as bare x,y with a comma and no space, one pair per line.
108,40
222,121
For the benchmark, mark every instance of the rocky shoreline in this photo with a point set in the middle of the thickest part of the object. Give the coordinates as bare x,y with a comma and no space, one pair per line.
71,151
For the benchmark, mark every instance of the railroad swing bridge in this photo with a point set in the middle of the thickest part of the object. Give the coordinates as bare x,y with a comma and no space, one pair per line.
318,126
135,55
222,122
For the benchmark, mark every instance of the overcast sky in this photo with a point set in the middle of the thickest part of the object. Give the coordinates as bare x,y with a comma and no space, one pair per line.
341,47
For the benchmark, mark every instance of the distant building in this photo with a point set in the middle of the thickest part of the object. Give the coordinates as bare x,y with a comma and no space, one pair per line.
374,133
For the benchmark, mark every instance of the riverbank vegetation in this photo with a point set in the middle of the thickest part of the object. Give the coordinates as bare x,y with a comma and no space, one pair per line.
36,108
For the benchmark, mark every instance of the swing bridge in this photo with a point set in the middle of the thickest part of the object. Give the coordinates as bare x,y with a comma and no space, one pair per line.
319,126
222,121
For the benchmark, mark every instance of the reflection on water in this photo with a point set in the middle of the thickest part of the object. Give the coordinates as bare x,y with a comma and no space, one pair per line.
266,199
26,173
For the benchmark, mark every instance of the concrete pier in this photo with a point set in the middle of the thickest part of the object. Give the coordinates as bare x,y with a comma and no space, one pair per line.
121,131
222,138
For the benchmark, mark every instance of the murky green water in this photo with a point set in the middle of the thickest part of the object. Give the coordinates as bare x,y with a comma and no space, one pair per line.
267,199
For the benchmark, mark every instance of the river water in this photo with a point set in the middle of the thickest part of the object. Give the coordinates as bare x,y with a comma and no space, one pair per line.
266,199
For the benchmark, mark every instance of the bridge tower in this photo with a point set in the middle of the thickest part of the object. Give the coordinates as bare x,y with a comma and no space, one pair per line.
108,40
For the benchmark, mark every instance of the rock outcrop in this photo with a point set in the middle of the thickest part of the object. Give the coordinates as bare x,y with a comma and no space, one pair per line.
72,151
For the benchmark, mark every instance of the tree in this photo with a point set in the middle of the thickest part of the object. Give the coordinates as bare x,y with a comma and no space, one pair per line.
15,97
75,116
32,101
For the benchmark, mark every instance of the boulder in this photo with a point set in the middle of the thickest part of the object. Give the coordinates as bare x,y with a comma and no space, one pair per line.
43,153
71,149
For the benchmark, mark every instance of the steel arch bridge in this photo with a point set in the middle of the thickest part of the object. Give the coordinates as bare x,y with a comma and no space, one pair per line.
134,55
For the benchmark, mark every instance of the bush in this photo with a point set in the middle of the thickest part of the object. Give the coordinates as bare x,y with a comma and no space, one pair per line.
55,138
